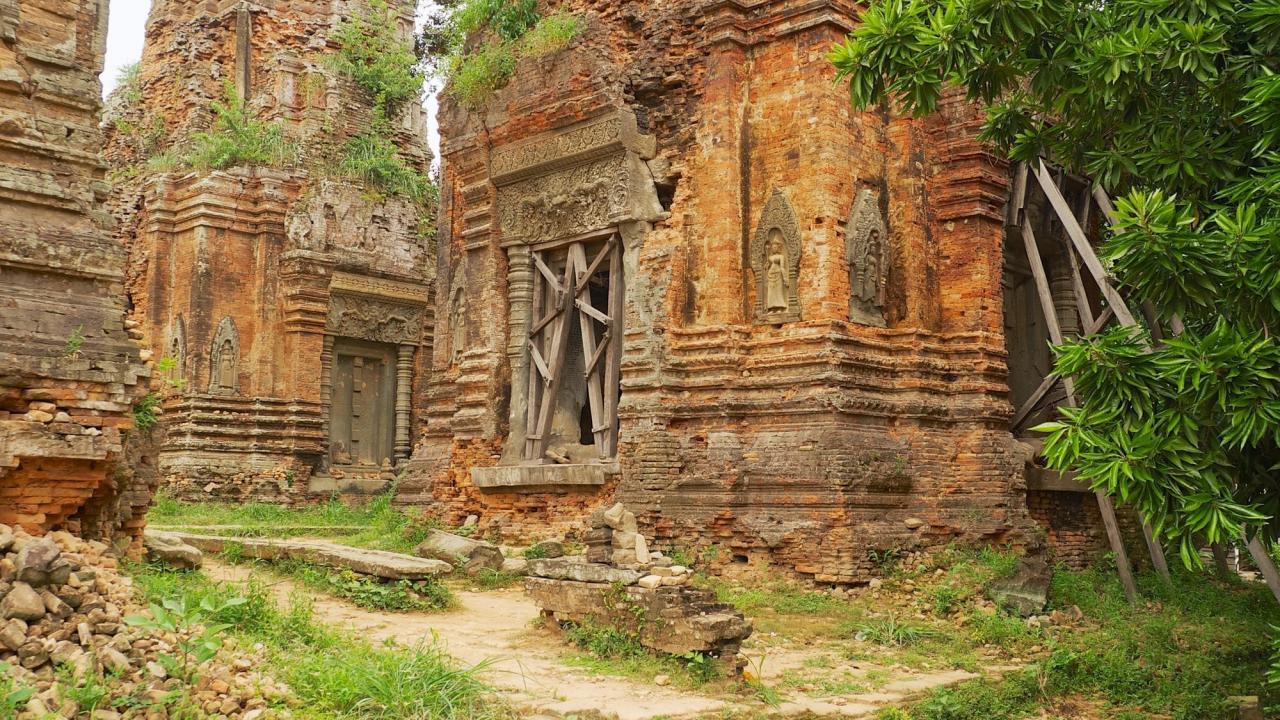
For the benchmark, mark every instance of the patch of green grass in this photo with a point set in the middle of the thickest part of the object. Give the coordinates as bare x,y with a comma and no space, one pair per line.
384,527
489,579
369,592
335,674
782,598
1180,653
373,158
1002,630
891,632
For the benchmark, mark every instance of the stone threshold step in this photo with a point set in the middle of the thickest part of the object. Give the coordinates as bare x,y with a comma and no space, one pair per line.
378,563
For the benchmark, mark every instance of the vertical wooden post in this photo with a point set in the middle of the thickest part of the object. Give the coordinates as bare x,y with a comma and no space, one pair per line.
587,328
1069,221
1047,308
613,360
555,362
1266,565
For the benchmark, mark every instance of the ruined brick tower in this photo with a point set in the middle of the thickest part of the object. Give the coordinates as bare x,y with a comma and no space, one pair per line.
69,371
291,304
678,270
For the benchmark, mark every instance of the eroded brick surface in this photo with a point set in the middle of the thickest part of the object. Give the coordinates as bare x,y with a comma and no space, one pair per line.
70,372
255,281
775,402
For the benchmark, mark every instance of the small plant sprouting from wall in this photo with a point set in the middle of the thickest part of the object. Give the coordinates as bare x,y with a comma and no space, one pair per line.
74,343
372,52
502,33
146,412
375,55
238,138
373,157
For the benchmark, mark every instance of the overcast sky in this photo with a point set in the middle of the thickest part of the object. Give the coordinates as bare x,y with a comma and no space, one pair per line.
124,46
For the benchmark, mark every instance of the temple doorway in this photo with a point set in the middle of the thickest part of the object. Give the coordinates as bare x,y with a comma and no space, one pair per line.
363,416
575,350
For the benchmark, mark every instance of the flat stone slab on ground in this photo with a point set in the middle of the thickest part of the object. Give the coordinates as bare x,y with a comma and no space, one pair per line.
379,563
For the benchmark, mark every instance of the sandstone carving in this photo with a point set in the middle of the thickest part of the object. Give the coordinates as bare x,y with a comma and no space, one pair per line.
775,261
866,247
224,364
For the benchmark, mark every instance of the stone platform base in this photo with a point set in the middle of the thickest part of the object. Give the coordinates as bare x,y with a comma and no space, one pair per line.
674,620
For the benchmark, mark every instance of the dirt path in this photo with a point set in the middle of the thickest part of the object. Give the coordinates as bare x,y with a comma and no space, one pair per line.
496,628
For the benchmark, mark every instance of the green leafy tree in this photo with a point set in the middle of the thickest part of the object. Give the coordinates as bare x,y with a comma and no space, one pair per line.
1175,105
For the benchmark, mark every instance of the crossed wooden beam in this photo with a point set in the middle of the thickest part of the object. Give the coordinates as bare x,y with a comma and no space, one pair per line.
1077,245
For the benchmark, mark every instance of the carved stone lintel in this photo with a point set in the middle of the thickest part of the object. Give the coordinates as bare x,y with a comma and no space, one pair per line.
375,320
866,247
775,261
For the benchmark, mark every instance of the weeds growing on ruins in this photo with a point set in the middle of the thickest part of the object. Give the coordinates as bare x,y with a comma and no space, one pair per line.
681,387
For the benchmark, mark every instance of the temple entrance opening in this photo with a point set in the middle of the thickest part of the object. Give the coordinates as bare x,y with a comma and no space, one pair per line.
575,348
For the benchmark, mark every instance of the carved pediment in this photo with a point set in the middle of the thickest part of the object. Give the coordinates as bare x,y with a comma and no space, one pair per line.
365,318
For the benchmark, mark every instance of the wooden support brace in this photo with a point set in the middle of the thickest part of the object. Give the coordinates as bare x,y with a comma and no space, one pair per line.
1105,506
1082,246
1266,565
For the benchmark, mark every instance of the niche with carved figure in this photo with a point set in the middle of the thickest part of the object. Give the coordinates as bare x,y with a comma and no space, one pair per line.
867,251
775,262
224,359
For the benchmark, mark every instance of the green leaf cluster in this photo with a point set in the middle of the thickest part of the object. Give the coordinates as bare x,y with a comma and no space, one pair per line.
373,53
1175,105
237,139
382,62
199,637
483,41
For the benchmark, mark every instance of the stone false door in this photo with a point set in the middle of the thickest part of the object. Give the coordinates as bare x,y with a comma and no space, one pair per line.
366,384
579,283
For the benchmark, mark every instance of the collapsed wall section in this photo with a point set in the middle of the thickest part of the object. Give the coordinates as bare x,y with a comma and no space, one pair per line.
70,371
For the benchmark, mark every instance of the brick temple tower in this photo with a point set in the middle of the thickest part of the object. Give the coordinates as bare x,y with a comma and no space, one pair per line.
292,304
70,373
678,270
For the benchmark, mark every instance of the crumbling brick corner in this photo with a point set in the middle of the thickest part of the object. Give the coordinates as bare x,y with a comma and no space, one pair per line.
70,371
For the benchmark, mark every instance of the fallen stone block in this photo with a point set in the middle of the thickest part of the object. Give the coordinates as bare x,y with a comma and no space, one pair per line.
674,620
568,569
378,563
171,550
470,555
1026,592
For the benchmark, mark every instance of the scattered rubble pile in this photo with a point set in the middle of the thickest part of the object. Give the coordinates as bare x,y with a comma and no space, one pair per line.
62,624
621,583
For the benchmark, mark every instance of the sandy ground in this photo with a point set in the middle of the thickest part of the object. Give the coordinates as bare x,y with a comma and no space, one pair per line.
495,628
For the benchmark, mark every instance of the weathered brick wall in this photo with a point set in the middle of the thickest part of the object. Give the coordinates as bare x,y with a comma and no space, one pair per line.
70,371
805,441
267,251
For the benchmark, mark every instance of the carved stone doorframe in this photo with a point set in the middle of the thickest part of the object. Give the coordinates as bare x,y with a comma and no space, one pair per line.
586,183
381,311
